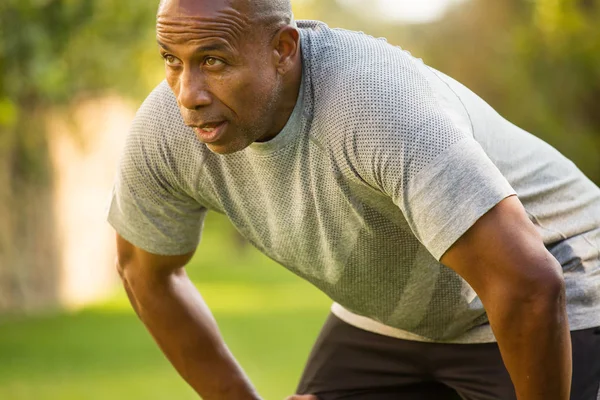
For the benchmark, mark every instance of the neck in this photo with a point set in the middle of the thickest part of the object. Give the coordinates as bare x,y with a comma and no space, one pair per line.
291,90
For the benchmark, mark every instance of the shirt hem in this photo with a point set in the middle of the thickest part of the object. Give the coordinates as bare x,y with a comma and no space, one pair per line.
478,334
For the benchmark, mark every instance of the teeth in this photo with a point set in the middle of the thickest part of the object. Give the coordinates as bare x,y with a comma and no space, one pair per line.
208,129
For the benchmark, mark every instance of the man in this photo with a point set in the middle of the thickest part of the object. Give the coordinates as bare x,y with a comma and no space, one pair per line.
461,252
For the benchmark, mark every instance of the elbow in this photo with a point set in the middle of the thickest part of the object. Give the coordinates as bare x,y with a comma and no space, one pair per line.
549,296
555,286
549,284
541,280
536,302
554,294
539,306
539,293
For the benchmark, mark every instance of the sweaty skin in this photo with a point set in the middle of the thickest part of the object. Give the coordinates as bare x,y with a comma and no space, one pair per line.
235,81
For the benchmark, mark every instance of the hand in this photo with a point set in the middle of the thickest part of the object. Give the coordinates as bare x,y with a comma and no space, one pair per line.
302,397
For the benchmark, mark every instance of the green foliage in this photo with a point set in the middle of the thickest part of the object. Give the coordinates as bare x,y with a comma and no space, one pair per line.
51,53
53,50
537,63
561,57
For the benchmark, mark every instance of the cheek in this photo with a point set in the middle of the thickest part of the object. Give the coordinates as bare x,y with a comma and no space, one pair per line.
172,80
244,93
262,86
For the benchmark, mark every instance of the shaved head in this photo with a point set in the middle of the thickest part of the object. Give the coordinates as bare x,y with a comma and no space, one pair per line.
234,66
264,12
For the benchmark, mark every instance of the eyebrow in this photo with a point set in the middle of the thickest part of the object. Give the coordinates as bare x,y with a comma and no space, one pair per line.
201,49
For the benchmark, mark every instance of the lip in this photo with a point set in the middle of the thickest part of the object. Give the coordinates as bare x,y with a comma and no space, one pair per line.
213,136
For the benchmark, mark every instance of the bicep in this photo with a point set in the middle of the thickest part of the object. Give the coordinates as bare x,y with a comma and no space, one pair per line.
503,254
137,259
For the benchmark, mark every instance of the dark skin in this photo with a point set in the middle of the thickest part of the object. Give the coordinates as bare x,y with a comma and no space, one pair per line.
522,289
225,67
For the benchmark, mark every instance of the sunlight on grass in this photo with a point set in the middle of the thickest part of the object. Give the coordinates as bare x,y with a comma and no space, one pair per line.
239,298
99,355
268,317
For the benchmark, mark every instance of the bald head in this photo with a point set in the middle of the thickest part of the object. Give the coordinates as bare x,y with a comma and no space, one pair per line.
234,65
263,12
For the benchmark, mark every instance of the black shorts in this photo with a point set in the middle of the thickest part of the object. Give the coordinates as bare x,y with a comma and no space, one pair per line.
353,364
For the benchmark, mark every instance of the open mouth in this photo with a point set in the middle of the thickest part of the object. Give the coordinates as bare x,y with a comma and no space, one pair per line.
210,132
210,126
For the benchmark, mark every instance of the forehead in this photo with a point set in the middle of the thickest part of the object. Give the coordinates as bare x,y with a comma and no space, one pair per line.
181,21
191,8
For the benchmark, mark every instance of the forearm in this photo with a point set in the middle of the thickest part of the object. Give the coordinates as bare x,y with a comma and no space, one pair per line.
534,339
182,325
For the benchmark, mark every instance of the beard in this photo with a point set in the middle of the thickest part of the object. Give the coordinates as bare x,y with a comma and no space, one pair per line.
262,128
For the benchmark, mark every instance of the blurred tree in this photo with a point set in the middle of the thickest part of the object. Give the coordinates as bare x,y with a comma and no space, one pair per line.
537,63
51,53
561,57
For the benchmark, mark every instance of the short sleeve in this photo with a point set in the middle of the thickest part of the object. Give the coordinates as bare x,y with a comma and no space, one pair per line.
447,197
416,149
149,206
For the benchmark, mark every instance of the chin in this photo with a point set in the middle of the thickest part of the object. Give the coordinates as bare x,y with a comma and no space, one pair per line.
231,142
227,148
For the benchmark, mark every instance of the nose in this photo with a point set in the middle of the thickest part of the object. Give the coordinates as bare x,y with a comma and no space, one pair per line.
193,91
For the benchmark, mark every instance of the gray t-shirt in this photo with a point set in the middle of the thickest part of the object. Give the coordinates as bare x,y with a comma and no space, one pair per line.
383,165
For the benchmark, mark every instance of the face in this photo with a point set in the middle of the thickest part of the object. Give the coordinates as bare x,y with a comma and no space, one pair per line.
222,70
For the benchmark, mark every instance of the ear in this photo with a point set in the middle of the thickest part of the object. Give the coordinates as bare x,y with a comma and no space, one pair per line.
286,46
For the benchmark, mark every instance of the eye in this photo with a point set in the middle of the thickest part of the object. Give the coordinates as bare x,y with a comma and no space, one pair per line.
213,62
171,60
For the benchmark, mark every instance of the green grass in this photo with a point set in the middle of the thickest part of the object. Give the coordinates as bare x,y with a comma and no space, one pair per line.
269,319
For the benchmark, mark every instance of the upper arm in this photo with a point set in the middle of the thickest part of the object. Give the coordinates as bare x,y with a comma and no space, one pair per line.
131,257
502,254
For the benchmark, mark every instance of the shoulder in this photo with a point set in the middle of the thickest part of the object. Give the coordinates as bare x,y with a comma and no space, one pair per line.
376,107
362,84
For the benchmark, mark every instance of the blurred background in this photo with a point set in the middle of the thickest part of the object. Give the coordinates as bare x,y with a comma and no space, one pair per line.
72,74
